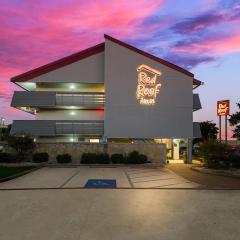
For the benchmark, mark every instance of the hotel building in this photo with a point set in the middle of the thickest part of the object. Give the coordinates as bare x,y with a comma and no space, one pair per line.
108,92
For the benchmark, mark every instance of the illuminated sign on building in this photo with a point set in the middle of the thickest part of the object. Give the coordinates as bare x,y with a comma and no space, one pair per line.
147,88
223,108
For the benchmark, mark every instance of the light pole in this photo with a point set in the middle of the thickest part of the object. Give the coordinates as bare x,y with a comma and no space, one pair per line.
2,126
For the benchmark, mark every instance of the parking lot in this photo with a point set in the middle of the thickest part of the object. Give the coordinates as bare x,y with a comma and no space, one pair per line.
76,177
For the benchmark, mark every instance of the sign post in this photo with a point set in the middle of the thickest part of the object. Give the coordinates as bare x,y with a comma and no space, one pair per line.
220,128
223,109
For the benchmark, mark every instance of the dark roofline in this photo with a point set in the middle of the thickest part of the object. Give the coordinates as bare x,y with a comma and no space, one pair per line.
145,54
59,63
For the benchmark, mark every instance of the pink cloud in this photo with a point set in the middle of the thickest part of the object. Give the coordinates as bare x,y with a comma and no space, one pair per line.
211,46
35,32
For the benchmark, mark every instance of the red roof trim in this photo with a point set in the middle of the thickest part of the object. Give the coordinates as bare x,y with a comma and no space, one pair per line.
197,82
59,63
145,54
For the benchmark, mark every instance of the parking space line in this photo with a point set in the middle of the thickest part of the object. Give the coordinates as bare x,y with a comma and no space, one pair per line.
159,179
148,176
128,178
70,178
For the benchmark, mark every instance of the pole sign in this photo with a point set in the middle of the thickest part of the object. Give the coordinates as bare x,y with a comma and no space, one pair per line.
223,108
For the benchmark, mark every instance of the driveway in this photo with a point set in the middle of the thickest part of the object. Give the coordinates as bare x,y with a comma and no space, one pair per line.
126,177
204,179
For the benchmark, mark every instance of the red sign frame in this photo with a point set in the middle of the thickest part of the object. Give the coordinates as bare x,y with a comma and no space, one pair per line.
223,108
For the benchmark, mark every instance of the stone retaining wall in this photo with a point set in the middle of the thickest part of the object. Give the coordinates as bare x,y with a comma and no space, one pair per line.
156,152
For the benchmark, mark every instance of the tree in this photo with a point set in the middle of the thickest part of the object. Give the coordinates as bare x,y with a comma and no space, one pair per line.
6,132
23,145
209,130
234,120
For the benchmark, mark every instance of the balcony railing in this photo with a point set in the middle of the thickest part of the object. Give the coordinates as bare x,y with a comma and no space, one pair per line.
57,127
83,99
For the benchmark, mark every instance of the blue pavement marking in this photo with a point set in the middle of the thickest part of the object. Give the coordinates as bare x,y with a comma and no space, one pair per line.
101,183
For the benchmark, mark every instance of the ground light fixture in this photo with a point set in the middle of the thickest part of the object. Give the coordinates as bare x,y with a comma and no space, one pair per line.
72,86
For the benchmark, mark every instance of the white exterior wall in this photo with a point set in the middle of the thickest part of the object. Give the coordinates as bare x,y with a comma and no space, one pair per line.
67,115
170,117
88,70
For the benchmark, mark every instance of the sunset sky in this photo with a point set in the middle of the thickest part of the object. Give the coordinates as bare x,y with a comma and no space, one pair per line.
202,36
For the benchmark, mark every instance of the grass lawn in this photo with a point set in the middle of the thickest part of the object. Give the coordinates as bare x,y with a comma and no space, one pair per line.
9,171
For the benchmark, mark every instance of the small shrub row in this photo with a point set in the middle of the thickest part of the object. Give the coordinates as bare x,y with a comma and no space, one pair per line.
87,158
40,157
132,158
64,158
7,158
95,158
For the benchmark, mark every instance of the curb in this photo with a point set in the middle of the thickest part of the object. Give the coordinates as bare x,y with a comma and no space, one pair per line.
62,165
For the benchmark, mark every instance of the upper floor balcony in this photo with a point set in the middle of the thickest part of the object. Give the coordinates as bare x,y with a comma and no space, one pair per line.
30,101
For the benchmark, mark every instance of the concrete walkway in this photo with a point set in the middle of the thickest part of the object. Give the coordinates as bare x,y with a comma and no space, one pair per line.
126,177
206,180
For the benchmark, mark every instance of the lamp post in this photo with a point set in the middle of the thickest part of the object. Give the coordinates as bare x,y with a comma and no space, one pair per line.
2,126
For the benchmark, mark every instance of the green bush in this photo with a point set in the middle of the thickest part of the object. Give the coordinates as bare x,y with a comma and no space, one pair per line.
88,158
64,158
103,158
118,158
214,154
142,159
235,161
94,158
40,157
7,158
136,158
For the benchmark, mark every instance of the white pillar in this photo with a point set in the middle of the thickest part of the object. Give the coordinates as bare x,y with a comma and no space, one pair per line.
189,155
176,150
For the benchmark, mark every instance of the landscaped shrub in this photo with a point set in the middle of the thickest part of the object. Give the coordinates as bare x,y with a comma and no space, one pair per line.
88,158
235,161
64,158
214,154
136,158
132,157
142,159
118,158
7,158
94,158
103,158
40,157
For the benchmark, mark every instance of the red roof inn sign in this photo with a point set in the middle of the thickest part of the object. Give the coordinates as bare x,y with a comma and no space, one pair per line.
148,87
223,107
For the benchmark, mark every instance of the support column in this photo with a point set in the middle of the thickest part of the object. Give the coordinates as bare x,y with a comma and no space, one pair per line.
189,151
